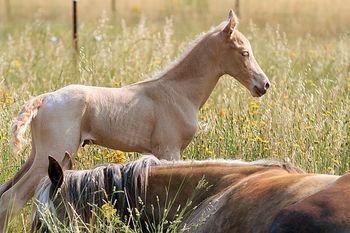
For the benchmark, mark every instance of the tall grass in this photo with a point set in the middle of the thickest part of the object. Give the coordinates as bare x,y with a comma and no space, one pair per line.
303,119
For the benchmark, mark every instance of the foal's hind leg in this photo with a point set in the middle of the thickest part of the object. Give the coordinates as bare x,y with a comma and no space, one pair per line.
13,180
25,167
14,199
50,140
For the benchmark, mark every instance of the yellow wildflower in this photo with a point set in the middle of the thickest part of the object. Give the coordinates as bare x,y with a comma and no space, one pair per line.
254,123
222,113
108,210
118,157
309,127
293,54
108,155
246,123
130,50
254,105
259,139
256,113
17,64
6,98
157,62
208,151
119,152
118,83
87,163
79,154
336,161
136,9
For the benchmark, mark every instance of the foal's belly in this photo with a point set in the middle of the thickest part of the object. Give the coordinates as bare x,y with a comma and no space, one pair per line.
128,133
121,123
125,143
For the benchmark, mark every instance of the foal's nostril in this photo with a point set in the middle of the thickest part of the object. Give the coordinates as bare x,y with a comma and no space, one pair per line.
267,85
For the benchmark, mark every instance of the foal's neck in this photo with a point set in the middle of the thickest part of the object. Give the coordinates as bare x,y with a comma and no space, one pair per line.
196,74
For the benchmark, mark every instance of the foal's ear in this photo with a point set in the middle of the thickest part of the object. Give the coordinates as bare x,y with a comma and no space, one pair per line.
231,24
55,173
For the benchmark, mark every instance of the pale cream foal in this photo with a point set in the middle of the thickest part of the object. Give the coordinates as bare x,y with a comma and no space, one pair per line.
158,116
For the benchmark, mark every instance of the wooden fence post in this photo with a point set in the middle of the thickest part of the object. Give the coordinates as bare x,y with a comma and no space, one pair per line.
8,9
75,31
113,6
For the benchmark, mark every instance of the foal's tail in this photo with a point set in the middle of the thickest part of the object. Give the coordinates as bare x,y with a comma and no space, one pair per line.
27,114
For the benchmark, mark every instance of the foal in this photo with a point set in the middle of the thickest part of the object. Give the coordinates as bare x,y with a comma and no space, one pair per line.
239,197
158,116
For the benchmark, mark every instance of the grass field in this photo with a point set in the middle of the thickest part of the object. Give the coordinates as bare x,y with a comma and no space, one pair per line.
303,47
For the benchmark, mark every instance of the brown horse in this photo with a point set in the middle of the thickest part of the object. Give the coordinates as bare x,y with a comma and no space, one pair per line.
240,197
158,116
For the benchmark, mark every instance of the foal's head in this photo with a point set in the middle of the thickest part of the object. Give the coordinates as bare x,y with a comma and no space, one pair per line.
237,59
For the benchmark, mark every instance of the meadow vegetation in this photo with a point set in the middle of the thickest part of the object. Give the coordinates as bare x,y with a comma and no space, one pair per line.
303,47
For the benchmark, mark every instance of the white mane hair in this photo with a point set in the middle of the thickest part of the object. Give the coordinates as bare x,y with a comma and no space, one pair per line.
261,162
121,184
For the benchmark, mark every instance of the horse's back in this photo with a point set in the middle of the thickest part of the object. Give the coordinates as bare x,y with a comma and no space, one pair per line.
326,211
251,205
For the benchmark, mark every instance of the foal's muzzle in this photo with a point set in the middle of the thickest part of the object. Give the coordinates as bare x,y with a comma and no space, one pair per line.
260,87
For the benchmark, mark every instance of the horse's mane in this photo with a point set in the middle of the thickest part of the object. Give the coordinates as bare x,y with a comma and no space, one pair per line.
123,184
119,184
266,163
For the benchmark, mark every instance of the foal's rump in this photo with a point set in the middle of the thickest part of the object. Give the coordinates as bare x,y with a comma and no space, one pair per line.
24,118
53,105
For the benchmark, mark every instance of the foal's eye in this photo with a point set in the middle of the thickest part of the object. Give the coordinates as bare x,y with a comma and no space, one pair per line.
245,53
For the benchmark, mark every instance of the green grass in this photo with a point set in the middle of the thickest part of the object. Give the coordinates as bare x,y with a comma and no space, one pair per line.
303,119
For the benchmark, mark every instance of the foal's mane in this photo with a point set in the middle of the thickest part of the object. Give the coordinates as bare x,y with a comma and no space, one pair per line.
188,49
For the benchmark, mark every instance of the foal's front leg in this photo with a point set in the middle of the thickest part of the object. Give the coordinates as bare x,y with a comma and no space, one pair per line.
168,154
168,151
167,145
